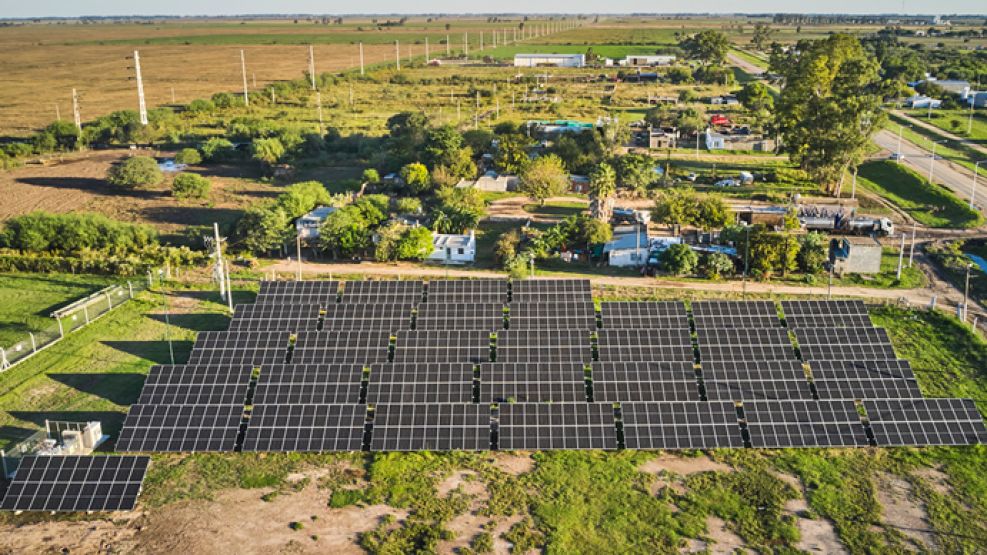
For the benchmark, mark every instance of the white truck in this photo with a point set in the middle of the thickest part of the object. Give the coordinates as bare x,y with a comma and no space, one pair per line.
856,225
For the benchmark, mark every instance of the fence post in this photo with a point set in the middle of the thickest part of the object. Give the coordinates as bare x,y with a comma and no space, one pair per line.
130,287
34,344
85,310
61,330
4,364
3,461
150,279
109,301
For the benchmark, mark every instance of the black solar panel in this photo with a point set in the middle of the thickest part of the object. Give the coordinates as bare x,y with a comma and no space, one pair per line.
680,425
523,383
369,317
776,424
552,315
829,321
735,314
468,291
671,345
750,380
543,426
275,317
422,346
643,315
307,428
755,390
76,483
844,344
867,389
449,427
195,385
301,384
341,347
420,383
925,421
544,346
180,428
798,308
861,369
644,381
532,290
318,293
383,292
744,344
237,348
468,315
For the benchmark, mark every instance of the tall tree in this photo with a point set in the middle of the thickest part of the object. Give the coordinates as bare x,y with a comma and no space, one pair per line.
709,47
416,178
512,153
762,35
636,171
757,98
545,177
602,186
830,105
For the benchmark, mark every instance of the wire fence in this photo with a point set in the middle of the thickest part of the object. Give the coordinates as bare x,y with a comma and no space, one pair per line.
71,318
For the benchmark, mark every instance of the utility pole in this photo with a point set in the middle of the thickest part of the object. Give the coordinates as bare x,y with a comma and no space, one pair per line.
426,50
173,95
361,59
397,54
966,291
853,188
58,113
142,106
75,110
911,251
747,250
298,251
243,71
311,64
932,159
466,44
218,268
229,288
901,256
318,102
481,41
973,188
448,47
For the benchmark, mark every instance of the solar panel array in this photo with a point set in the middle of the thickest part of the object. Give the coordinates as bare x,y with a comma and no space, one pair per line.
76,483
404,365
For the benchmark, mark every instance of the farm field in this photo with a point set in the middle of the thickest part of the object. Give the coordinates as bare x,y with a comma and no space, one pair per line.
819,499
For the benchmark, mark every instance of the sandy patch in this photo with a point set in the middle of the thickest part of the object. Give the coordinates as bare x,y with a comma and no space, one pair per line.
98,536
720,538
817,535
513,464
683,465
903,510
936,479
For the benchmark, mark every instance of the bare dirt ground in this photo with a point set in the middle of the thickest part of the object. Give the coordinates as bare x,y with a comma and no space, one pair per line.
77,182
904,512
683,465
817,534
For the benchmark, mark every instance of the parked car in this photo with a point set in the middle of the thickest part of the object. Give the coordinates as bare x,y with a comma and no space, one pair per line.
897,156
727,183
692,177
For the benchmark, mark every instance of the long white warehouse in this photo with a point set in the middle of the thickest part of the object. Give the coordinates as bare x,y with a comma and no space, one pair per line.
559,60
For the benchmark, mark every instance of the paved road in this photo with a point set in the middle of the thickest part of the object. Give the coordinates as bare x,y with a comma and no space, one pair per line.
951,136
953,176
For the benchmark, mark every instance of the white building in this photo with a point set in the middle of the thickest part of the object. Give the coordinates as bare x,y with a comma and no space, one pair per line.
491,183
647,61
559,60
715,141
307,226
453,249
627,249
920,101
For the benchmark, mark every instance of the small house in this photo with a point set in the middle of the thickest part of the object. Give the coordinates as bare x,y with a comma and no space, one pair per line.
628,249
308,225
450,248
637,60
855,255
578,184
921,101
554,60
663,137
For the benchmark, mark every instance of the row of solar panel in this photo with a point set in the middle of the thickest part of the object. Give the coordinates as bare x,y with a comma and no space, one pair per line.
535,426
326,293
257,348
478,314
498,382
76,483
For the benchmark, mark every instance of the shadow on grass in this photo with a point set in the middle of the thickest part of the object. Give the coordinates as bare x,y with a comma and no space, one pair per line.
195,322
119,389
14,434
111,421
153,351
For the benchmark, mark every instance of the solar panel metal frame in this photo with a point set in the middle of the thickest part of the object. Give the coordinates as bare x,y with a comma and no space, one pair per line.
524,383
467,291
437,427
821,307
552,315
369,317
300,384
644,382
543,346
317,428
545,426
861,369
471,315
341,347
319,293
239,347
643,314
70,483
726,344
680,425
382,292
442,346
734,308
420,383
828,321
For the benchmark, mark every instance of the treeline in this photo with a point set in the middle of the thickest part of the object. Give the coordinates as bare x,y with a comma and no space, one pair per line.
85,243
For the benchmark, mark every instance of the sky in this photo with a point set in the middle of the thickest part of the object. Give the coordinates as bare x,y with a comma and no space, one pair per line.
71,8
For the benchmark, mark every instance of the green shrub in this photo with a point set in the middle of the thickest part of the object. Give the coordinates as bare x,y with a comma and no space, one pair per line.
217,150
188,156
139,171
190,186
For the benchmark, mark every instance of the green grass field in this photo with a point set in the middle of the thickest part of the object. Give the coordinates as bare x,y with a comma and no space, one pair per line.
956,122
26,301
957,153
929,204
